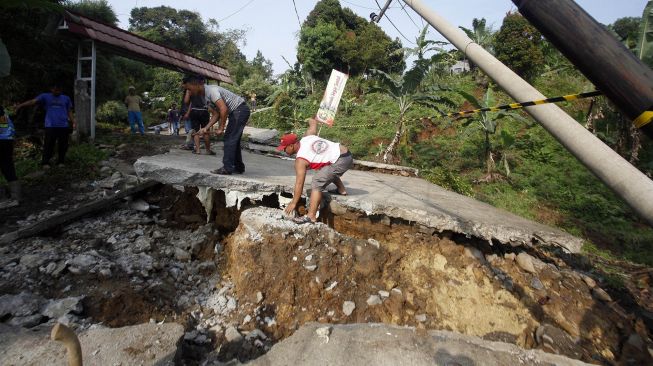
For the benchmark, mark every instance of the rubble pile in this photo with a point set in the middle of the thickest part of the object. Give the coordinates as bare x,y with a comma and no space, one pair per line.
124,267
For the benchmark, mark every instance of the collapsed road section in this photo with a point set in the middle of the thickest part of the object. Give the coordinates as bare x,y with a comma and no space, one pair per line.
211,267
410,199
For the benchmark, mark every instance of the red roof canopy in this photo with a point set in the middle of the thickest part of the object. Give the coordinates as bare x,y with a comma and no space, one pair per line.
133,46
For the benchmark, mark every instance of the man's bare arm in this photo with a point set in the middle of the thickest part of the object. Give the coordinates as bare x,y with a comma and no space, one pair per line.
312,127
26,104
300,176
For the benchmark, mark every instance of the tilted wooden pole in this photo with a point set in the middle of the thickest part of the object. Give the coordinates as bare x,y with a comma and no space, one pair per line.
614,69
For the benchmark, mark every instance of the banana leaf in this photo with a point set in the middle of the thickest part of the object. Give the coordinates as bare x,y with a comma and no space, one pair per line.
644,48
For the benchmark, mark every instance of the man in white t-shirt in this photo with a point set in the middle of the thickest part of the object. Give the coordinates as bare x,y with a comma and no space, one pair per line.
329,158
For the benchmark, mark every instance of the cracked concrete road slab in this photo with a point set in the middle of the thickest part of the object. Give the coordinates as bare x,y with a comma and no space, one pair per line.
380,344
412,199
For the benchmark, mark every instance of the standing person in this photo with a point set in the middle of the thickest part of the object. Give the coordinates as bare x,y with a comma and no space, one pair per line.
184,112
223,104
331,160
7,133
252,100
58,111
199,118
173,119
133,103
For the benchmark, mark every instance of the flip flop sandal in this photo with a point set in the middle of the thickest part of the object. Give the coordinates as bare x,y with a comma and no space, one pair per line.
303,220
196,153
210,153
335,192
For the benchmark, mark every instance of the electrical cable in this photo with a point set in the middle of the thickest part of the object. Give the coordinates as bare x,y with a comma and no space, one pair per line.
296,13
236,12
364,7
403,7
393,24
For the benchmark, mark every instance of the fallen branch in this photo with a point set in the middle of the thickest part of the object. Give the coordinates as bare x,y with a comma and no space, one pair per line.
66,217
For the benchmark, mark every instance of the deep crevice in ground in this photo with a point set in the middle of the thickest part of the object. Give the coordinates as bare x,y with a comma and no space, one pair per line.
237,295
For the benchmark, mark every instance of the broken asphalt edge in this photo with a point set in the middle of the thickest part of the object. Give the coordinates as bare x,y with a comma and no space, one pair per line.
162,168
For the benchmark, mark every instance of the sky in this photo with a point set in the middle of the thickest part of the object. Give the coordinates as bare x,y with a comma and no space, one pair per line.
272,25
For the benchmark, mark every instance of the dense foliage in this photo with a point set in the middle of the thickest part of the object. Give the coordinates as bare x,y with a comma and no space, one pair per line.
336,38
518,44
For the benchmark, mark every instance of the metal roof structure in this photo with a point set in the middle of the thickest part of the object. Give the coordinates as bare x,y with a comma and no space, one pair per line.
130,45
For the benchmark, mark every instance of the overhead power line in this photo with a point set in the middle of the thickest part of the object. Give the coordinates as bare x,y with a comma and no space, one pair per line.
236,12
403,7
393,24
364,7
296,13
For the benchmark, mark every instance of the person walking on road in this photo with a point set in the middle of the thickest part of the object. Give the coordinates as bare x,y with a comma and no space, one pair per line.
330,159
133,103
223,103
58,111
173,119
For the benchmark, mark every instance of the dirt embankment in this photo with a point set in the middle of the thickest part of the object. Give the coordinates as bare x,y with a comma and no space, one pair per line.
286,275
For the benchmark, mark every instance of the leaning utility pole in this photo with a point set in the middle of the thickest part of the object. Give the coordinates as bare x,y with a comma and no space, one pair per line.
624,179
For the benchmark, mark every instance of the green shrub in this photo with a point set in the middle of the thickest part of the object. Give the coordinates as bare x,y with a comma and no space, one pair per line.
447,179
113,112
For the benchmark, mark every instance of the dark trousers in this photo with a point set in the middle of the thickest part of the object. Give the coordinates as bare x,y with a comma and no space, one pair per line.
7,160
233,158
58,135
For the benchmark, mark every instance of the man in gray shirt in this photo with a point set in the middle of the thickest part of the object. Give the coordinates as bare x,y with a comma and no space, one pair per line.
223,103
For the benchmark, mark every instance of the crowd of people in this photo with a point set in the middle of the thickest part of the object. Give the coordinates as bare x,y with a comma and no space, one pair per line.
202,107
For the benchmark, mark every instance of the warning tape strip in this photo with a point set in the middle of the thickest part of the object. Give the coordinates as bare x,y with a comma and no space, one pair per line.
511,106
642,120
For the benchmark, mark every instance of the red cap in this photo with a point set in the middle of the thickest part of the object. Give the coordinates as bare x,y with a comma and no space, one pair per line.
287,139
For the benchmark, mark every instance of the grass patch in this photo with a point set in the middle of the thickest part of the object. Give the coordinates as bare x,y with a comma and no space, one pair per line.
81,163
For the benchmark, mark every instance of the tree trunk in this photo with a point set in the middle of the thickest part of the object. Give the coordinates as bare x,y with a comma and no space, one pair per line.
389,153
593,116
489,161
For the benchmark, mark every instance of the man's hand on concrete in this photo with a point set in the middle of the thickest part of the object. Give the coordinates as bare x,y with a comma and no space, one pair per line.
290,209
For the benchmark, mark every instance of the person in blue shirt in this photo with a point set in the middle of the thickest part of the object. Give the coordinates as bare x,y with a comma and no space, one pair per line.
7,133
58,111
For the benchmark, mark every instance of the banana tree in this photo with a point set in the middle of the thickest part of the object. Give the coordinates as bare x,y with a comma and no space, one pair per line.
406,91
488,122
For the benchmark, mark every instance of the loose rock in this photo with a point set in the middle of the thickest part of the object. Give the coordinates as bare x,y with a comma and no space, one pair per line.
232,335
373,300
525,261
348,307
600,294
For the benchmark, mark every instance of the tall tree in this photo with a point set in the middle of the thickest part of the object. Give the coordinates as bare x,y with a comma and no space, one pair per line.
95,9
333,37
481,33
261,66
180,29
627,29
518,45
